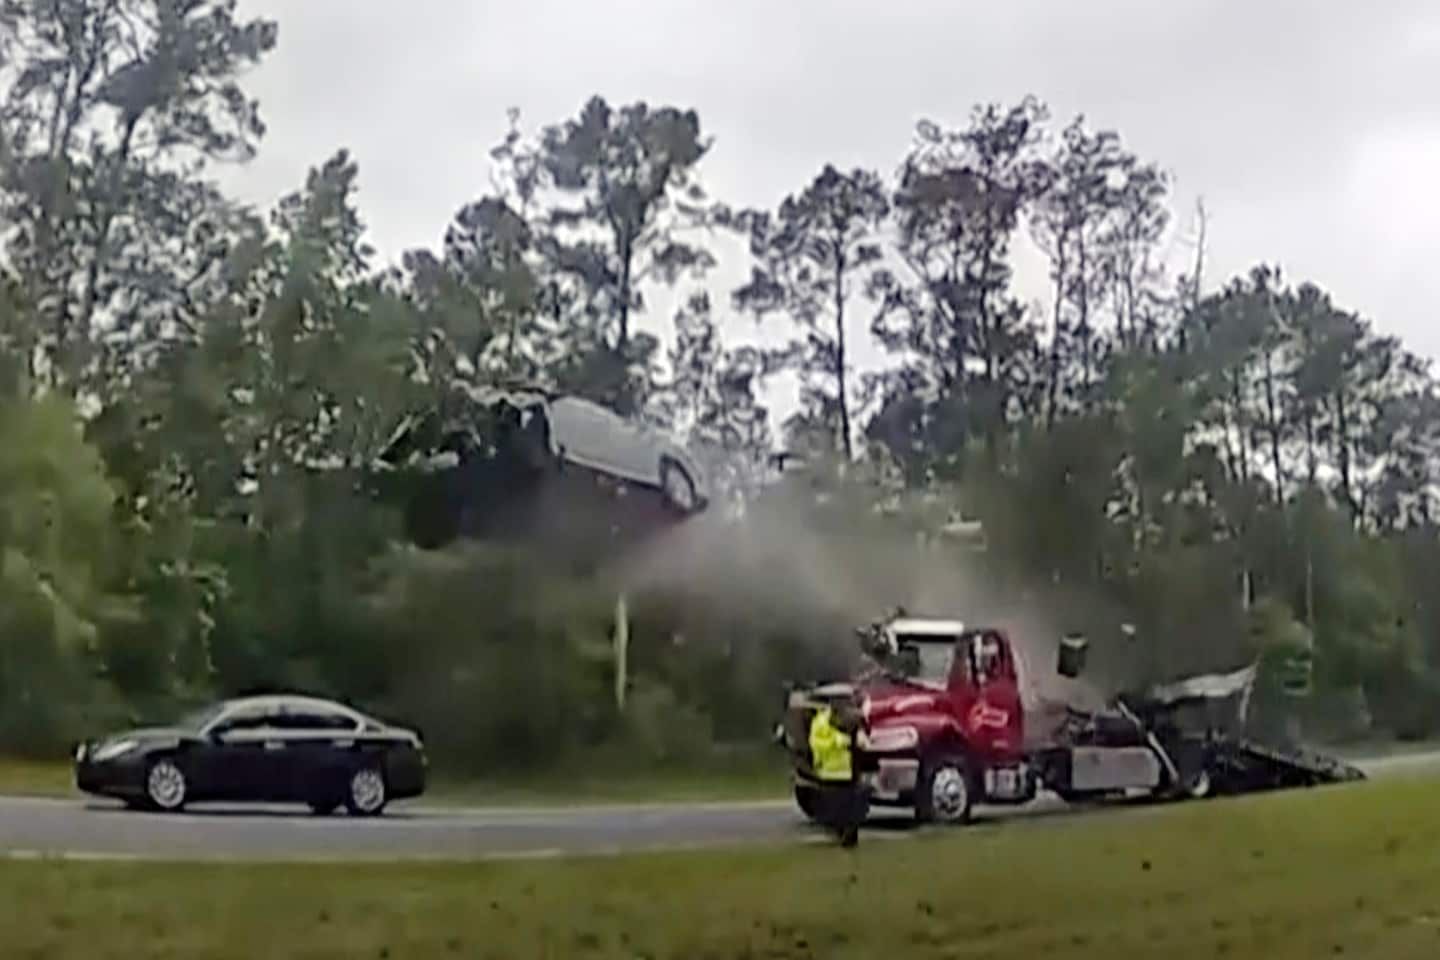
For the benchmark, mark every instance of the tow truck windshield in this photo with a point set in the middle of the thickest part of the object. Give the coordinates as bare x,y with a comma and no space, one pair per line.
930,659
924,659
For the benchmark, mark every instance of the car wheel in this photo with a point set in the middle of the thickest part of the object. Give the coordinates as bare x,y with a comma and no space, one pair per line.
945,793
1199,786
366,794
677,486
165,786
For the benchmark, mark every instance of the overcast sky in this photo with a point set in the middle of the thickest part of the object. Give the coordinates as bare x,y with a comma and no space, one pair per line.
1310,127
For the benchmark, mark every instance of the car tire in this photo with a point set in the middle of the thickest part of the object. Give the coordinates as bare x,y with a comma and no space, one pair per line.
678,487
365,792
945,792
1199,786
165,785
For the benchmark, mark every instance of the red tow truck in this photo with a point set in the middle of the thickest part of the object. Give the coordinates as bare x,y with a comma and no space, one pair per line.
946,729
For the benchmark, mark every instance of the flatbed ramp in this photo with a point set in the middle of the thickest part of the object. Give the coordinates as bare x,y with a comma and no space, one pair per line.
1246,766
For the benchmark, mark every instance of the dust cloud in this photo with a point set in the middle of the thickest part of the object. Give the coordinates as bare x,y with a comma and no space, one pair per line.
779,556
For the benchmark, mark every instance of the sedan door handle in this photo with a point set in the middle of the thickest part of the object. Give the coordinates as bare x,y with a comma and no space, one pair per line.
274,744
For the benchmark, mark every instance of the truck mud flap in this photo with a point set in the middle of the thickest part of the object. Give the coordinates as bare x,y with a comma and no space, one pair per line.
1245,766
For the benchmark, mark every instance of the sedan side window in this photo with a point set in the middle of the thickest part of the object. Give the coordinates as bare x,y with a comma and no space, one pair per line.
249,720
314,720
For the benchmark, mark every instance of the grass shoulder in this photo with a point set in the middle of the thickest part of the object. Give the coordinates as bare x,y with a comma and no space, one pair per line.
1338,871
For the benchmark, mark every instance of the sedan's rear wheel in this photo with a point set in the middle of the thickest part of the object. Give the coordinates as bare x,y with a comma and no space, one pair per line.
678,487
366,796
165,785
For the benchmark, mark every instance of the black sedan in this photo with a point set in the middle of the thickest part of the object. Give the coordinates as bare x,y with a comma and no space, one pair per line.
268,749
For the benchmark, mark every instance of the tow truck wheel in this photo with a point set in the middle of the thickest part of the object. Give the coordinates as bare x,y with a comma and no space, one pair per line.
945,793
1199,786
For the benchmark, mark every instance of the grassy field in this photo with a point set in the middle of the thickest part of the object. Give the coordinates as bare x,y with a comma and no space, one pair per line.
1349,871
35,778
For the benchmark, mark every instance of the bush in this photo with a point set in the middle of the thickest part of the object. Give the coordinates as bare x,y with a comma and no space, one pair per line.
502,664
657,729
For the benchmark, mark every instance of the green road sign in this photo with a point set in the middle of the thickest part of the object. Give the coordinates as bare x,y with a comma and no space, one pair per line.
1297,673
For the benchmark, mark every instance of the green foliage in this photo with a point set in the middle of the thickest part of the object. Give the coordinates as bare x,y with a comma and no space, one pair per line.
55,537
192,401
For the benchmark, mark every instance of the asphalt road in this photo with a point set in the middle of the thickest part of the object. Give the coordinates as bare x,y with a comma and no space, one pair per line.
93,829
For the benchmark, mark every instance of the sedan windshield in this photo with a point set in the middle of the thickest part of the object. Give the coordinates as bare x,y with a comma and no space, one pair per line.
197,720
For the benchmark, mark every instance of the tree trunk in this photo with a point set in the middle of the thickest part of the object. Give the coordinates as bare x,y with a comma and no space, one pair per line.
841,380
1274,428
1342,450
61,136
1083,327
1237,399
626,258
1052,387
1312,465
107,221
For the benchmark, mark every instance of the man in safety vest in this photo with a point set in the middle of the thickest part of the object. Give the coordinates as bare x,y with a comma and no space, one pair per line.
832,735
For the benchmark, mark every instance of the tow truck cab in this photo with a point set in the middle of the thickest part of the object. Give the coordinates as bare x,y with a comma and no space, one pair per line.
943,699
944,717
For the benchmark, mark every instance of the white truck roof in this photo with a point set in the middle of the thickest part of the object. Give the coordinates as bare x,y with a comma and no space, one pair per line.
925,627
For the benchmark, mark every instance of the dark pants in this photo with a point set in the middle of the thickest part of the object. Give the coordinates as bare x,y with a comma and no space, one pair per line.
842,809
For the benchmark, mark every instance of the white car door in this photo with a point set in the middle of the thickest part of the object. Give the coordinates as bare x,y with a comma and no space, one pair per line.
642,449
591,436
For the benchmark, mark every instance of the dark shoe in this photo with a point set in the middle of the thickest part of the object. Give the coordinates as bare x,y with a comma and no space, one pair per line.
850,838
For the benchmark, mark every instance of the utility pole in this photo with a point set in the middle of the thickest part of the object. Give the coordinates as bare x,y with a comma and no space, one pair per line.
622,649
1309,588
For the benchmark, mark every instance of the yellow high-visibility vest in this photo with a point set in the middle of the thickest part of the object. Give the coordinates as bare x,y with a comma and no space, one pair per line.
829,747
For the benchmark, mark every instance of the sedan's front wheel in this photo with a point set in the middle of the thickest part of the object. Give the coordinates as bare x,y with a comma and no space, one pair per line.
366,796
165,785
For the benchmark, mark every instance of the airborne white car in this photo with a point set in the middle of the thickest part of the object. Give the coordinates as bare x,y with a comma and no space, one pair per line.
591,436
572,430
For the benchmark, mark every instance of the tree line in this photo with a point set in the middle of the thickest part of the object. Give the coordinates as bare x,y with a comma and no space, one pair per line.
192,390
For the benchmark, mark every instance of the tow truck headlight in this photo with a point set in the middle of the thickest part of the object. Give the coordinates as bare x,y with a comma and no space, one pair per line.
891,739
113,750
